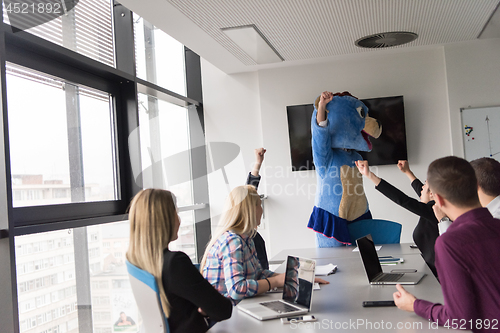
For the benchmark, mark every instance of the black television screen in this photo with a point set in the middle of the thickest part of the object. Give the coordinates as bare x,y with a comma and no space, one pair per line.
387,149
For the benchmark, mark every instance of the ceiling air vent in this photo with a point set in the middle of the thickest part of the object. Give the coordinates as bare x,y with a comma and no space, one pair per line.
386,39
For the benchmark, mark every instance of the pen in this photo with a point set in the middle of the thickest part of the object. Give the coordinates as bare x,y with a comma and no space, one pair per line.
385,257
389,259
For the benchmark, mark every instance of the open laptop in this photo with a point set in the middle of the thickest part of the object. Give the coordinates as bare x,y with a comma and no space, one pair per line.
297,293
374,269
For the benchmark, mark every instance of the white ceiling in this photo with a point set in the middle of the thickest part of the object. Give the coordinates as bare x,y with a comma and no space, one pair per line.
305,31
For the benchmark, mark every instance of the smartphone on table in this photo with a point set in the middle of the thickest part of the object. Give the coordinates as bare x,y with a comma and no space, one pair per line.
300,319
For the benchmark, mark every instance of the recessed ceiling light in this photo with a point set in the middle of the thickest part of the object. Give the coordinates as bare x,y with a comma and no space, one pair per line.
253,42
386,39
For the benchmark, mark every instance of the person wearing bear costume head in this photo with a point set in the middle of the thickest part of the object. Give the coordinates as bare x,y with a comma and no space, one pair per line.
340,127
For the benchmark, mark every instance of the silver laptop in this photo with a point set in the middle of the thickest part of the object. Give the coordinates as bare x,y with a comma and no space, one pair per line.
374,269
297,293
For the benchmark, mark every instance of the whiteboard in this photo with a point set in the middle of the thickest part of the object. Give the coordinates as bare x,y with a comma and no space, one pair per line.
481,132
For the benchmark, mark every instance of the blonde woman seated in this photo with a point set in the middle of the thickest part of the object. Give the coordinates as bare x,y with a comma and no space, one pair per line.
230,261
186,297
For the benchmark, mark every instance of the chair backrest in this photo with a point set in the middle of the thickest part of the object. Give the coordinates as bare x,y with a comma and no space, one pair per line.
147,297
382,231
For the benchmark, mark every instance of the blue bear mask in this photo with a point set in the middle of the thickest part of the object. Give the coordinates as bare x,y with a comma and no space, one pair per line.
349,124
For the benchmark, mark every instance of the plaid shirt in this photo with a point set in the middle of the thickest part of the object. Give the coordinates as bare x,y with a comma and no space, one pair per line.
232,267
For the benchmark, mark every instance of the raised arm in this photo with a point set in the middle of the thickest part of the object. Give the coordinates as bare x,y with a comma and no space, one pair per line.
395,194
404,166
443,221
259,158
321,138
254,176
364,169
416,184
324,99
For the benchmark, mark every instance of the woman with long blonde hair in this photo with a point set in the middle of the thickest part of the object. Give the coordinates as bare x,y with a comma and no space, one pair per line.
186,297
230,262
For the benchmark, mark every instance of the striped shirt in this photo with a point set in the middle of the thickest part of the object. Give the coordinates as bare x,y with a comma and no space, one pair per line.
232,267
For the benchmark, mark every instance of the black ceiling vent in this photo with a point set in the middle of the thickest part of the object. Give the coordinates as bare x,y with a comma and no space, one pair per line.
386,39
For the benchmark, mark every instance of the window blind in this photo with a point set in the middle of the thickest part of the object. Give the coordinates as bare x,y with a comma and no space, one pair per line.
90,29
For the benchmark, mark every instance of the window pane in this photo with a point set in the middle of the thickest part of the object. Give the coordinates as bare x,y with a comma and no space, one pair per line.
159,57
109,284
61,141
186,241
166,159
47,264
46,282
86,29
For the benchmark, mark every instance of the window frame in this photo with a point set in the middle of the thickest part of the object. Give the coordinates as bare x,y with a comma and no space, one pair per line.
33,52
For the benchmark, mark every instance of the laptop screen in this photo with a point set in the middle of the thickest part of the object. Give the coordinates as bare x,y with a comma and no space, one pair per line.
299,281
369,256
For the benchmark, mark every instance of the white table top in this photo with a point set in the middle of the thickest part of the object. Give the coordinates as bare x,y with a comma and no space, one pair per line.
342,252
338,305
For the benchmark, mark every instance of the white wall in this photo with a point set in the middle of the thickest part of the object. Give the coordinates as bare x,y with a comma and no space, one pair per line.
250,109
232,114
473,74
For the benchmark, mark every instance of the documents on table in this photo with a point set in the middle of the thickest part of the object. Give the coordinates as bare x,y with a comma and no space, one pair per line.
378,247
390,260
323,270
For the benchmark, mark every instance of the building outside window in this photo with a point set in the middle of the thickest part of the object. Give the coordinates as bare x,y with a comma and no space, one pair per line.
68,159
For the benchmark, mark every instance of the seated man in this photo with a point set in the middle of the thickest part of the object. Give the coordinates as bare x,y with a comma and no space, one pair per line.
465,260
488,183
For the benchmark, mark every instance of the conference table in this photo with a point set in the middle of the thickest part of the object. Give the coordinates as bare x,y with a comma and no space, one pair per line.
338,305
342,252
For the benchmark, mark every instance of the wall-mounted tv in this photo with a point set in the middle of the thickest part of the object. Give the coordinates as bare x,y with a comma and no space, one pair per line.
387,149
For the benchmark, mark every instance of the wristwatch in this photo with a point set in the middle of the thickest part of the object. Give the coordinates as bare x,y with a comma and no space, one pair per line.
445,219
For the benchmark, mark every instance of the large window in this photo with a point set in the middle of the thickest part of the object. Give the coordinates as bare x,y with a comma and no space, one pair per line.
62,146
81,139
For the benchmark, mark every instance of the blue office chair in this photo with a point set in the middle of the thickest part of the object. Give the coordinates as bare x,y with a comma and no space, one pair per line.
382,231
147,297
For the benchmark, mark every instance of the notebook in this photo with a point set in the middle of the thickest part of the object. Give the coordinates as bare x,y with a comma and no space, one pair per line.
374,269
322,270
297,293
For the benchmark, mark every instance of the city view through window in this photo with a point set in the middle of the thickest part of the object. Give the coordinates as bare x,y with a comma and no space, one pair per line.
62,272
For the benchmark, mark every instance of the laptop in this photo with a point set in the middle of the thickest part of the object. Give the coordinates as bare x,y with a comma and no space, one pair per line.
374,269
297,293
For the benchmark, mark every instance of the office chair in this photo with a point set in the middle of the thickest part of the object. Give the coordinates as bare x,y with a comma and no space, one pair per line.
382,231
147,297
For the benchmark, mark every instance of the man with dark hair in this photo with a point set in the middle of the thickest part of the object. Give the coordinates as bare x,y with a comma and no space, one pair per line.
488,183
467,259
